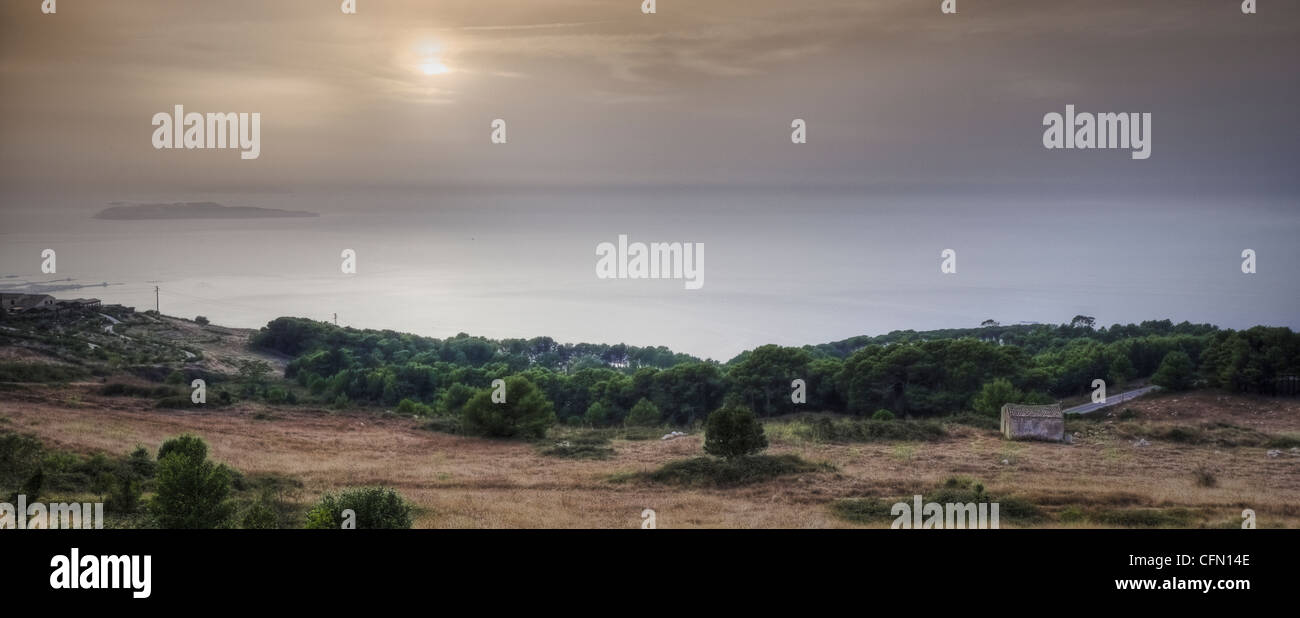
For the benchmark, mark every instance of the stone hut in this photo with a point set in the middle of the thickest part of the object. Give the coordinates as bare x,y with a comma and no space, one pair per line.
1022,422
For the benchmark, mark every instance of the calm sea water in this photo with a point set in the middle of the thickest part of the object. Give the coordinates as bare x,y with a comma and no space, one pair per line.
780,267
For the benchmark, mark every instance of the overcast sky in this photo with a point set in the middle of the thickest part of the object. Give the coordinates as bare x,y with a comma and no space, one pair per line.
896,95
924,132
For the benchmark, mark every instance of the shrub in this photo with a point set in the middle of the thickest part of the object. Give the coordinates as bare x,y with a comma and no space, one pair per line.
261,515
118,389
452,400
276,395
38,372
708,471
863,510
583,446
20,457
192,491
200,320
141,463
1205,477
444,424
733,431
994,395
375,507
882,415
644,414
413,408
524,414
123,495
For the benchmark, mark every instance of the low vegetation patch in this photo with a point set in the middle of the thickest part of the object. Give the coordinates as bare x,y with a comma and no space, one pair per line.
39,372
827,429
971,419
1142,518
716,472
1215,433
443,424
958,490
119,389
580,446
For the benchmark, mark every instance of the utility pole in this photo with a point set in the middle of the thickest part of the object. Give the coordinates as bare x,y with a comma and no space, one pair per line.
155,300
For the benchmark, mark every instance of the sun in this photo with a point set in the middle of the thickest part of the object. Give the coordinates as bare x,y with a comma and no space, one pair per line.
433,67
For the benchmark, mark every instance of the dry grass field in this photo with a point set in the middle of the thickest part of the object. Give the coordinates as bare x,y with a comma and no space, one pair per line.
471,482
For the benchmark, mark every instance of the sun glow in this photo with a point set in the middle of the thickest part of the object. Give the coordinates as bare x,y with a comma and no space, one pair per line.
433,67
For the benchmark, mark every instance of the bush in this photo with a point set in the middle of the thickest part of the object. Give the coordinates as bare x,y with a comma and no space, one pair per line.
708,471
261,515
444,424
38,372
1205,477
413,408
123,495
882,415
118,389
141,463
644,414
375,507
200,320
452,400
863,510
20,457
582,446
524,414
994,395
733,431
192,491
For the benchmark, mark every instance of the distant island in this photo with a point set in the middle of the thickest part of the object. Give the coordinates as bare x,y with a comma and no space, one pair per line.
194,210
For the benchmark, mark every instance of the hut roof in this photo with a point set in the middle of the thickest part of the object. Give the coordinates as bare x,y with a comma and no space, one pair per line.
1016,410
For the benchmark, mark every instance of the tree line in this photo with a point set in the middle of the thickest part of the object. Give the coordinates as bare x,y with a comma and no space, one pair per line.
908,373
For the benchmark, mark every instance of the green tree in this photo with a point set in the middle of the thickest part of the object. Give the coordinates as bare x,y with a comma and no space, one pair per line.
453,399
598,413
733,431
525,413
192,491
761,378
993,395
374,507
1176,372
644,414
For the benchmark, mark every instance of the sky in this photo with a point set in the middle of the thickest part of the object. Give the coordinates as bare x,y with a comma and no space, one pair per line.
924,131
595,92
